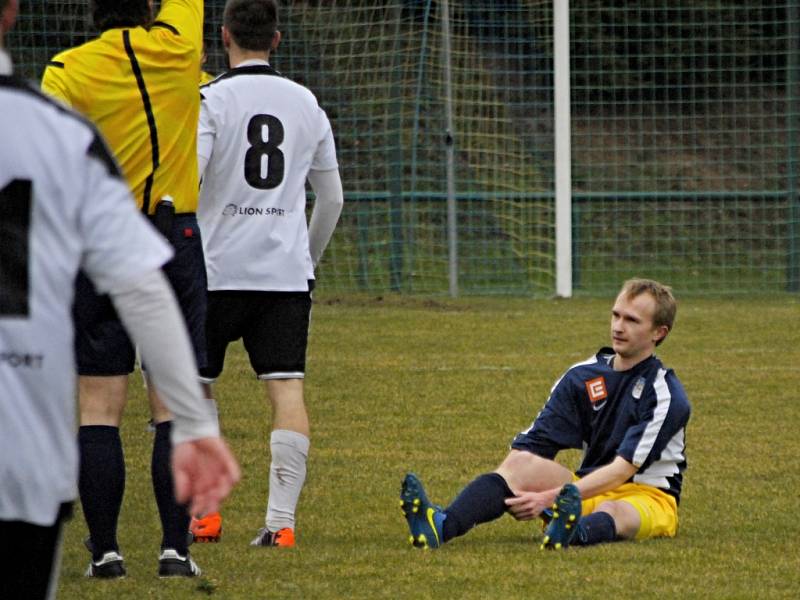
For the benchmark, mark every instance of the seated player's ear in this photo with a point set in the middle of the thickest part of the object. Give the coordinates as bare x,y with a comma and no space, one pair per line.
275,41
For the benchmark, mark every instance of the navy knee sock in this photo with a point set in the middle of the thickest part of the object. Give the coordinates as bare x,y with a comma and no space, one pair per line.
174,516
101,484
595,528
482,500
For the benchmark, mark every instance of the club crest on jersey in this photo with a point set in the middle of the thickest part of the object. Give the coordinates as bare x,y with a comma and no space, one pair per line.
638,388
596,388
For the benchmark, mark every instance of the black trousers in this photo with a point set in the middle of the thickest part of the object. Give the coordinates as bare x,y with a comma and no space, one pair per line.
30,557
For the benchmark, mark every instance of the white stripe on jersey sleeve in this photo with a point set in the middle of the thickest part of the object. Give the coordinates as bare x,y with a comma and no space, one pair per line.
663,399
667,465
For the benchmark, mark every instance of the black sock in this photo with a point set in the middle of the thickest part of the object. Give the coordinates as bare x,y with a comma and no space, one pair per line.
595,528
174,516
480,501
101,484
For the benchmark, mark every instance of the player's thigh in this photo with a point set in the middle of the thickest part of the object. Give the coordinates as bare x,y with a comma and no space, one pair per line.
227,317
276,336
528,472
658,511
102,346
186,273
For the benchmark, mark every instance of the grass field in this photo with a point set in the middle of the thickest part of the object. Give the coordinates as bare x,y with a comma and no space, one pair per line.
440,387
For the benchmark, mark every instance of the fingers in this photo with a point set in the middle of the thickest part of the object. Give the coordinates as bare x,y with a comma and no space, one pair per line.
205,472
182,485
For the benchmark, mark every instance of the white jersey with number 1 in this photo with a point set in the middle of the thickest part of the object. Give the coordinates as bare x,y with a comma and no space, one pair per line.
259,136
63,206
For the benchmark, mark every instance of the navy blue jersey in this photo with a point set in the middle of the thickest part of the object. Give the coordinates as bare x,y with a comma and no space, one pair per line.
639,414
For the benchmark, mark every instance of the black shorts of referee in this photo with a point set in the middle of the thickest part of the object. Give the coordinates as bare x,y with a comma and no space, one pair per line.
102,346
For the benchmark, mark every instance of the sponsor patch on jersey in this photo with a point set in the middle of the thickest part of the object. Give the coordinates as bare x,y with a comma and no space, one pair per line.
233,210
596,388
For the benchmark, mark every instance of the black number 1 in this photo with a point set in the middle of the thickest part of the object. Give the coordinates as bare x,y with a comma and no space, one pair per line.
15,225
260,148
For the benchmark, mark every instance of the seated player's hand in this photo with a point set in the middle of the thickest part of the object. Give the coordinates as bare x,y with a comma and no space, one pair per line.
205,472
525,506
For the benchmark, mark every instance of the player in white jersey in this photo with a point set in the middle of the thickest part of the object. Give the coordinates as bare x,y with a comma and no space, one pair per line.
64,206
260,137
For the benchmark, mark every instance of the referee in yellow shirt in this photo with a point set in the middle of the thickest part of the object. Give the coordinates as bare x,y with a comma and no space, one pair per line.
138,82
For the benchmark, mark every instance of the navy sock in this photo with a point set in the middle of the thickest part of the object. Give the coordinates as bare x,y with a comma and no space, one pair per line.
595,528
482,500
101,484
174,516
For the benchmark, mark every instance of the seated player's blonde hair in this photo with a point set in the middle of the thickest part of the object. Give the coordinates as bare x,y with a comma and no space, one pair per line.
666,306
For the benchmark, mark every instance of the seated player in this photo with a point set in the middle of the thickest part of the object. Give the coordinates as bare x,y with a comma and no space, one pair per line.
624,409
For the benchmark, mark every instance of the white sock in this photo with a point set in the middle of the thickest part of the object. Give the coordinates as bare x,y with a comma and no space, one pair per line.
287,473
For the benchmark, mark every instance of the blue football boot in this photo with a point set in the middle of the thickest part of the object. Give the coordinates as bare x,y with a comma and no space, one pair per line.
424,519
563,524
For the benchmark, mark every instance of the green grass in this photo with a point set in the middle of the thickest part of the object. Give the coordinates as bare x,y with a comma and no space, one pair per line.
440,387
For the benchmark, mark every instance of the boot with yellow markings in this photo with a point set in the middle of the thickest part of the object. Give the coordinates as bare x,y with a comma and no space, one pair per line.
424,519
564,522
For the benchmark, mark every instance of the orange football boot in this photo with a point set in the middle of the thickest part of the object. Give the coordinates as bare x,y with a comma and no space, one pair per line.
206,529
283,538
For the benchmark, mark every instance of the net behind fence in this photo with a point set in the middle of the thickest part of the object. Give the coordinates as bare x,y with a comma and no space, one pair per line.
684,138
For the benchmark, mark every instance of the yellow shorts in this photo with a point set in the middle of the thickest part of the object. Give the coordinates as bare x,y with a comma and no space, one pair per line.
657,509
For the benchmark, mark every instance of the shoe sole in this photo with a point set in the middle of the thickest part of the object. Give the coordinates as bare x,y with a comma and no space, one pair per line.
117,572
170,568
412,501
566,512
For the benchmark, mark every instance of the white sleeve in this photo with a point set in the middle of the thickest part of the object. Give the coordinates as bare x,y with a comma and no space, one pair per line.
327,186
148,309
206,134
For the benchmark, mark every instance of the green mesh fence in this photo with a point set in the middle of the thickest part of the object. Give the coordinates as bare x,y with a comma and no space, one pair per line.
684,138
685,144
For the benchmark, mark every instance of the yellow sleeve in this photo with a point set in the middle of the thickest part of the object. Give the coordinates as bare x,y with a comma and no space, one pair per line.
185,16
55,82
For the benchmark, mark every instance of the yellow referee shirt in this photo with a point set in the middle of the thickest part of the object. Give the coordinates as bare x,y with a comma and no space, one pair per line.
139,86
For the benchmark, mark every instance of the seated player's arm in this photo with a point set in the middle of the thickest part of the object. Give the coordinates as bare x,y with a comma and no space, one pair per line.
606,478
527,505
327,186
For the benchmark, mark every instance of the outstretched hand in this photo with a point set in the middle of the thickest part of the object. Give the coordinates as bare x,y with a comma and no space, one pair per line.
525,506
205,471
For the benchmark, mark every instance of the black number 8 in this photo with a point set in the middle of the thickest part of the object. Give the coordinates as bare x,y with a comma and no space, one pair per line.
259,148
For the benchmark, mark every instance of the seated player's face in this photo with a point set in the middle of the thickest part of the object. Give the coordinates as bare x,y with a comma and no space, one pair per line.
633,334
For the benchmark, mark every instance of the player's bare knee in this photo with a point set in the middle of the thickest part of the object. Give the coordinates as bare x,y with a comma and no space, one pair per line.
525,471
102,400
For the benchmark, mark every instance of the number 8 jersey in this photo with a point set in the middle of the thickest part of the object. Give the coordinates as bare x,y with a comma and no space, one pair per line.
259,135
